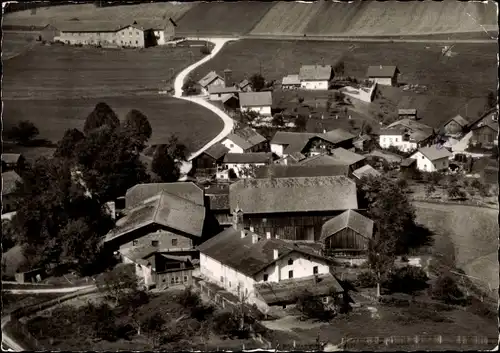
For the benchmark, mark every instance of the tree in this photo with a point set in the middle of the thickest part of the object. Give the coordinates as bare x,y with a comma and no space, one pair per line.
137,126
100,116
205,50
118,283
301,123
446,289
68,145
9,238
368,129
278,120
491,100
257,81
248,117
189,87
454,191
381,256
153,327
167,160
408,279
338,68
23,132
132,301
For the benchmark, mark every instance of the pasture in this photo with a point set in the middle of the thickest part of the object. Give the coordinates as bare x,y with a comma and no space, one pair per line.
448,89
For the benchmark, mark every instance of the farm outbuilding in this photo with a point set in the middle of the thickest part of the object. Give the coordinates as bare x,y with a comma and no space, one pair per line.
315,77
455,125
383,75
48,33
210,81
407,114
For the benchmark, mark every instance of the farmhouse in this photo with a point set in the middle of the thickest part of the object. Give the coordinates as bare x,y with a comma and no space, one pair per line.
258,102
407,114
290,82
346,237
220,93
455,126
406,135
243,164
383,75
292,208
140,192
295,171
338,156
207,162
157,269
292,158
286,143
315,77
485,131
211,80
13,161
432,158
242,262
10,193
245,140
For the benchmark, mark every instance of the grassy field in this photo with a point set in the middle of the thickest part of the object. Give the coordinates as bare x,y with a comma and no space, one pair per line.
222,18
15,43
89,12
448,89
472,233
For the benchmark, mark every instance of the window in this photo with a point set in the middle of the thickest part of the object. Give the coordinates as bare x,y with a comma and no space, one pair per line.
246,291
422,157
290,261
164,280
129,33
315,270
231,145
229,284
290,274
174,242
136,42
154,243
136,33
222,279
266,276
324,300
396,139
121,41
135,242
172,280
177,280
185,279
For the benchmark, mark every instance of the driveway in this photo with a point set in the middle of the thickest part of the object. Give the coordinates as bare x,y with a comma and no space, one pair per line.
179,82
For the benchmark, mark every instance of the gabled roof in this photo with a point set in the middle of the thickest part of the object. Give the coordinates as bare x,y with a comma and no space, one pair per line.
166,210
256,99
218,198
246,138
382,71
288,291
321,160
141,192
346,156
336,135
245,257
434,152
348,219
11,158
486,121
294,171
291,80
138,252
366,170
410,124
228,96
304,194
295,141
222,90
89,26
209,78
407,162
243,84
407,111
488,116
315,72
296,156
9,182
248,158
216,151
391,132
460,120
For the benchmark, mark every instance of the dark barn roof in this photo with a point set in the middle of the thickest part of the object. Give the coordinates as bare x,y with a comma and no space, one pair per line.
187,190
349,219
293,171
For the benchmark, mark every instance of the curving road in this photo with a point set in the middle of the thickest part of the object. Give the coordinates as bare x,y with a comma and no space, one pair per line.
179,82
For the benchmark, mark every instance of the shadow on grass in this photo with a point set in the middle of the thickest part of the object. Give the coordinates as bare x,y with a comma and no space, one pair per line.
38,143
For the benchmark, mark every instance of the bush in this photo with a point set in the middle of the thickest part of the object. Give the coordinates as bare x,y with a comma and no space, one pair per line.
23,132
408,279
446,290
366,280
205,50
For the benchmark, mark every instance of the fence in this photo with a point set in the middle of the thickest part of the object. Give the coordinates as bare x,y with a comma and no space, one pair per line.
457,202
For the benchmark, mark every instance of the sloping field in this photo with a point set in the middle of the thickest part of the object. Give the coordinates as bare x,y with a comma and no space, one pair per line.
286,18
343,13
89,12
222,18
473,232
15,43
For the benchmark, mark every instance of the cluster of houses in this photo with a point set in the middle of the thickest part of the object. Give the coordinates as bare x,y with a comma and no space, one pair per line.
139,34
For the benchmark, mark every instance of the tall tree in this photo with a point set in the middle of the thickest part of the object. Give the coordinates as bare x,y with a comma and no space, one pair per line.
257,81
23,132
137,126
100,116
168,158
67,146
491,100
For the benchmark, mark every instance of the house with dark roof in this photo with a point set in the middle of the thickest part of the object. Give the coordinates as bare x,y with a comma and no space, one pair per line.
245,140
455,126
10,193
292,208
230,101
485,131
347,236
242,262
432,158
220,93
142,192
210,80
407,114
258,102
315,77
206,163
244,164
166,221
383,75
337,157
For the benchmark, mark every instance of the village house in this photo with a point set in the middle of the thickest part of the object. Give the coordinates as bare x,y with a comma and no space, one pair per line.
210,80
383,75
220,93
246,265
244,164
361,143
406,135
230,101
290,82
258,102
245,140
218,204
13,161
296,171
456,126
186,190
291,208
407,114
245,86
346,237
206,163
315,77
10,194
286,143
292,158
432,158
365,171
338,156
484,131
159,270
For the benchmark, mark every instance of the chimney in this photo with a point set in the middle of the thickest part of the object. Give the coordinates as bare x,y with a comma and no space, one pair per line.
255,238
275,254
252,229
242,232
228,77
268,235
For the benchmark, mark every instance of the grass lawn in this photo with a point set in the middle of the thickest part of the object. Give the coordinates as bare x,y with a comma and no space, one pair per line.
448,89
15,43
12,302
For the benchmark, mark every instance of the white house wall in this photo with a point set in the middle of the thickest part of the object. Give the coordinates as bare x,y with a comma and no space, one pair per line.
160,37
424,164
277,149
386,81
385,141
263,111
237,167
233,147
314,85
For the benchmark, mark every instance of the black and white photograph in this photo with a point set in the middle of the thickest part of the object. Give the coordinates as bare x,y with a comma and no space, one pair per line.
250,176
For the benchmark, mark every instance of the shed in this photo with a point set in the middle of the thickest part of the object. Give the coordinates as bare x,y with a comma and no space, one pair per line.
383,74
